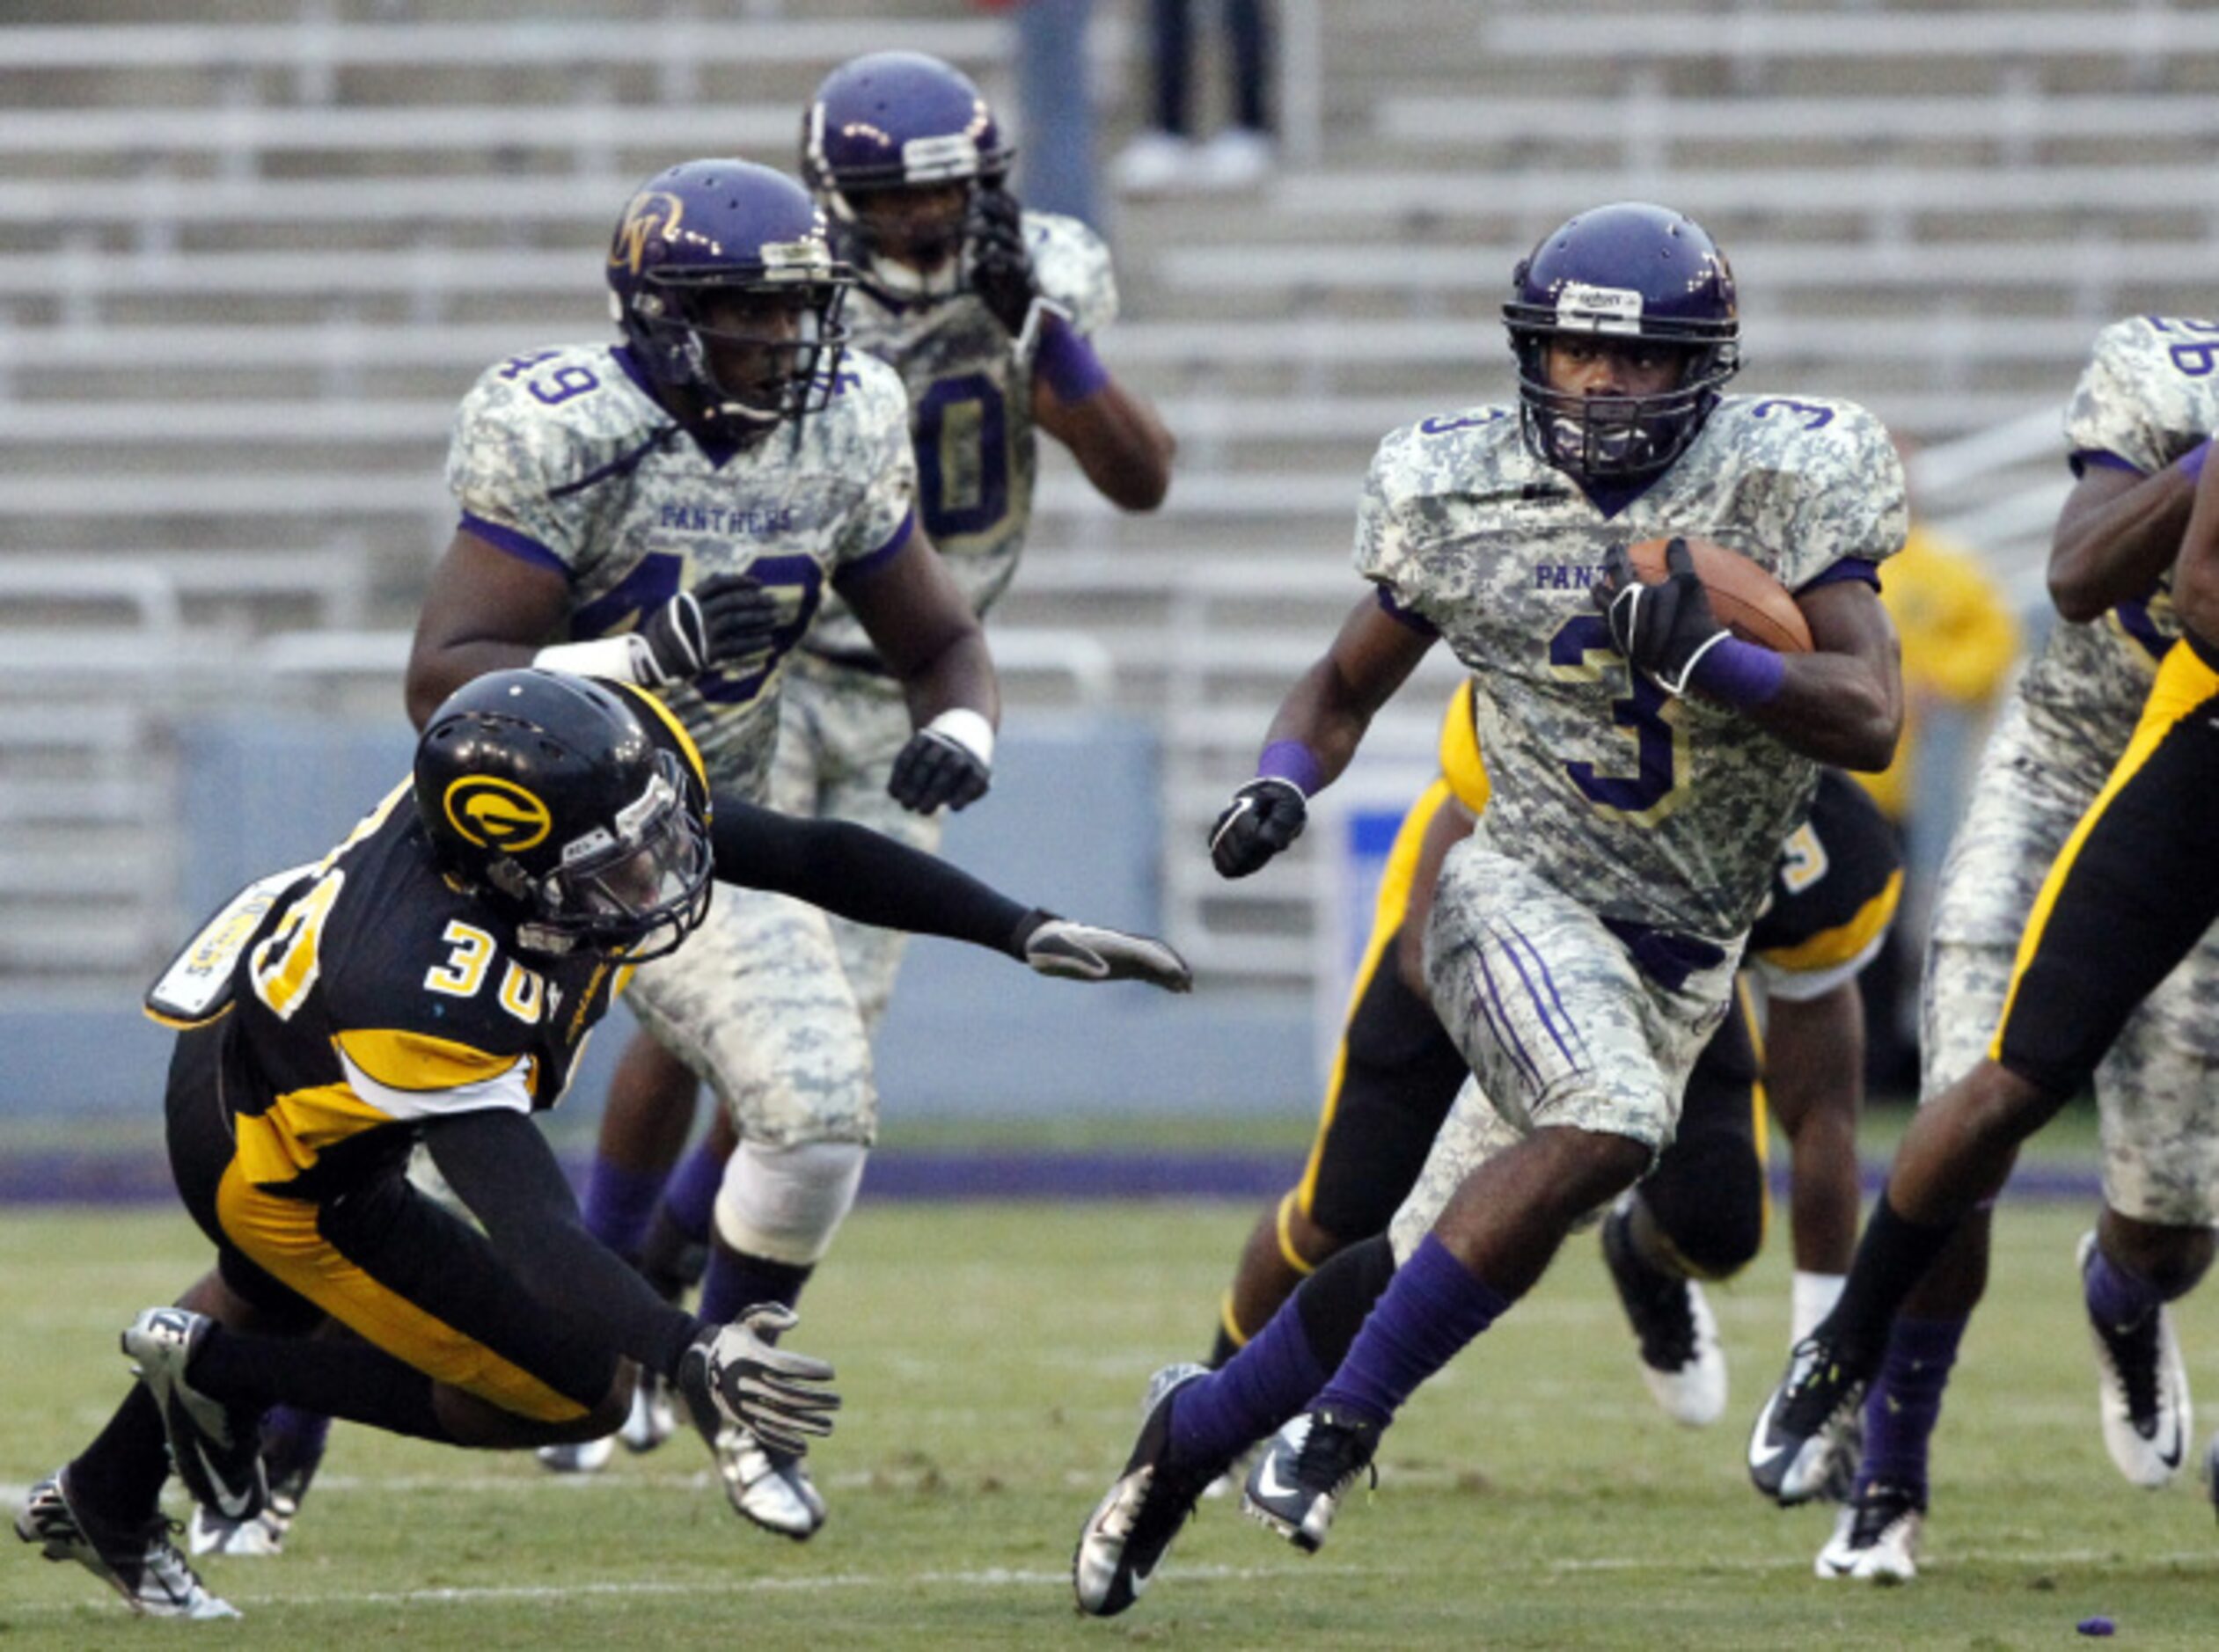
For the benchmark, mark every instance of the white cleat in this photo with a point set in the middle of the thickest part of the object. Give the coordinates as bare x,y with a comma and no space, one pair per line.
653,1418
214,1448
139,1563
769,1488
1681,1360
2141,1392
580,1456
1875,1538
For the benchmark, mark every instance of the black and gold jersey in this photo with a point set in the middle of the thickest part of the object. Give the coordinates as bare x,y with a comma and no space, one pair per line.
375,993
1834,895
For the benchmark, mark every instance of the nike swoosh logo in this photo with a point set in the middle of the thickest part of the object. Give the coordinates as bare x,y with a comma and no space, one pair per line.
1267,1483
2171,1458
232,1505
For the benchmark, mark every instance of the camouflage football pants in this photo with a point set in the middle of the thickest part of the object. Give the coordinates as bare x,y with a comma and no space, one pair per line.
2157,1091
1560,1026
774,1002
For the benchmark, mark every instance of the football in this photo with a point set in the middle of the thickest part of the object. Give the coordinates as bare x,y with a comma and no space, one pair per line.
1748,602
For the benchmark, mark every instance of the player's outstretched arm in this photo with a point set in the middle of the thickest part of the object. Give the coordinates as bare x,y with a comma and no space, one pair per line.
1314,733
920,625
2116,532
858,873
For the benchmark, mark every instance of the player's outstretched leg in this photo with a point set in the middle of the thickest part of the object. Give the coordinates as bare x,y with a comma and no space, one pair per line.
1126,1536
2141,1387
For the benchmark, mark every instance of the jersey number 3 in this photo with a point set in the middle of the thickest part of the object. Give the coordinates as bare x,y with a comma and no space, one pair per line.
1582,648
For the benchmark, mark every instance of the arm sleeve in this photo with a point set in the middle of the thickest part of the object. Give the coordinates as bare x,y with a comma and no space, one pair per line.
855,873
500,1167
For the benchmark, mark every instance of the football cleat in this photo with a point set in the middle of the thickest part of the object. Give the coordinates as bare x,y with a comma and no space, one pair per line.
138,1561
2142,1391
1795,1448
653,1418
578,1456
289,1462
772,1488
214,1448
1681,1359
1131,1529
1876,1537
1296,1487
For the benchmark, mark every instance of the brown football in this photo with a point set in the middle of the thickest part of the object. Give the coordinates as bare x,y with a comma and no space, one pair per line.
1747,601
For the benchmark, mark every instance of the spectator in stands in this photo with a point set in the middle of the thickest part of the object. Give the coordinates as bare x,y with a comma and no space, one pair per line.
1164,156
1959,641
1055,105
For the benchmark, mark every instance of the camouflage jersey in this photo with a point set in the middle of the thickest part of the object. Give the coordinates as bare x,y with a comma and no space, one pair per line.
1663,813
2150,392
564,457
970,411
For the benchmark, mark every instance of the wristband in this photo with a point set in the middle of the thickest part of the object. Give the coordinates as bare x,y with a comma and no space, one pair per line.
1291,761
1741,673
1067,362
614,658
2190,464
969,729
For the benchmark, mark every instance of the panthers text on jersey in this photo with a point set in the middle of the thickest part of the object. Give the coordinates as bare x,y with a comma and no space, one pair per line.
376,993
1658,811
565,457
972,411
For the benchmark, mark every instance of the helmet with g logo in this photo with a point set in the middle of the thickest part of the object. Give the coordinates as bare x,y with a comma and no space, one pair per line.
546,796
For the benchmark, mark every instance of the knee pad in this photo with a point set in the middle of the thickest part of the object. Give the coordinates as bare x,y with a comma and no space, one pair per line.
785,1203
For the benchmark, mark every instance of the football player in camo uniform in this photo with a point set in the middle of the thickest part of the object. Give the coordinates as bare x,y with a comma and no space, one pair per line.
1647,768
1700,1214
987,313
2138,432
729,455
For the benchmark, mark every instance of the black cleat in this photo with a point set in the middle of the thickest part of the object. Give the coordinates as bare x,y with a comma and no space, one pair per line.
1126,1536
1799,1437
1296,1487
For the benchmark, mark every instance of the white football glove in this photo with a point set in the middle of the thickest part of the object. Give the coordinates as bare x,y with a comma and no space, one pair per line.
1085,952
731,1374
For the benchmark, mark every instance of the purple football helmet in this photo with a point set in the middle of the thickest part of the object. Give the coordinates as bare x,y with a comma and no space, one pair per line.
701,235
892,121
1627,270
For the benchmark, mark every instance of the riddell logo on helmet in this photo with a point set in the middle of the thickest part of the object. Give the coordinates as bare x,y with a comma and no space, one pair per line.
495,814
652,213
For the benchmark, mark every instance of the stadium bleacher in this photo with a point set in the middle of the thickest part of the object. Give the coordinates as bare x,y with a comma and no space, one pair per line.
249,257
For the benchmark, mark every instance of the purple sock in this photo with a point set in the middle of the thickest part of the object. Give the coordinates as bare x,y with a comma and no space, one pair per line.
619,1203
1906,1403
293,1431
691,1198
1433,1306
1267,1382
2117,1297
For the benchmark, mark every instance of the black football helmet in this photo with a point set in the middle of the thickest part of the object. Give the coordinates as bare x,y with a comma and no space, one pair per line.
544,795
1626,271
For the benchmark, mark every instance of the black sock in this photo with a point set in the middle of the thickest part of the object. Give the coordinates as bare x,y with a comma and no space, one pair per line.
670,1259
1335,1300
738,1282
1891,1258
1222,1348
120,1473
346,1380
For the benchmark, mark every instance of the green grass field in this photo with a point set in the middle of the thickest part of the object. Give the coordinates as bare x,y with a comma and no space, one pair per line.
991,1356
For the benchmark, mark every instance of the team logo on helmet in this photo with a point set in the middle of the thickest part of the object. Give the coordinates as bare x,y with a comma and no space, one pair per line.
653,212
496,814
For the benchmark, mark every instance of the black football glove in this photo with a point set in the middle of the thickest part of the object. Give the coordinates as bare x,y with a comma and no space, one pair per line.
1263,817
1663,629
733,1373
726,617
935,771
1000,263
1085,952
